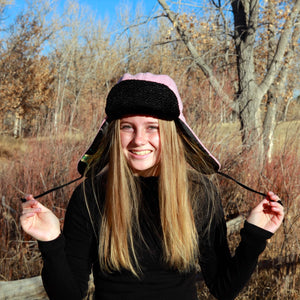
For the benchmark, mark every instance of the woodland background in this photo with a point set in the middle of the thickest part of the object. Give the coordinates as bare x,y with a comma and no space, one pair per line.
236,64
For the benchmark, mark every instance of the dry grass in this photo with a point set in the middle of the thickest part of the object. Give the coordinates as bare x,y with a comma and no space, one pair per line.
32,165
278,273
36,164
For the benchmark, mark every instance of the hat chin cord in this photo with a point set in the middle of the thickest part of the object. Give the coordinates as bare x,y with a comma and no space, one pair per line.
218,172
247,187
53,189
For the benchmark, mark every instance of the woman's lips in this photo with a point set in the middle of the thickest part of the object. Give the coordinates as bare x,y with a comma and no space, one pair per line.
140,152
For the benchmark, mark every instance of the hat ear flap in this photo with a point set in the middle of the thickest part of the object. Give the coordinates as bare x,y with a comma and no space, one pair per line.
95,152
198,158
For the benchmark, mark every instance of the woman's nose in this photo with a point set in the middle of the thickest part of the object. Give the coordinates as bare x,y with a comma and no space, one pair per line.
139,137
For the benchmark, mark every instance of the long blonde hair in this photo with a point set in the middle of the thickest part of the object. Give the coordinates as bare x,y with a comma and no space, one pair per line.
122,202
180,238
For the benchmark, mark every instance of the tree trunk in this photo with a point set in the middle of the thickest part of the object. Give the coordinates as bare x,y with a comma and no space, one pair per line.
248,96
17,125
279,87
270,124
272,103
286,109
251,122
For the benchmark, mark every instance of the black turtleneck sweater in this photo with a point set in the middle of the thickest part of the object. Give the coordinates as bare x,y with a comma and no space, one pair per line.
69,259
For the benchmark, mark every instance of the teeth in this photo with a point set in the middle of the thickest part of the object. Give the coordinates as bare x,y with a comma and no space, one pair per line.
141,152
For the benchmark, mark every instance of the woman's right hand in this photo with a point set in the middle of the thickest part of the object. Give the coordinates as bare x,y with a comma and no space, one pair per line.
38,221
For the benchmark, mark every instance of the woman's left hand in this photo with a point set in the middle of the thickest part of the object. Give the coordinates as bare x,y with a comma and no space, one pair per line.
267,214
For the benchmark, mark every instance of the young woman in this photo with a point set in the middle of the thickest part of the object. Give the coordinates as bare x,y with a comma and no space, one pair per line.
146,216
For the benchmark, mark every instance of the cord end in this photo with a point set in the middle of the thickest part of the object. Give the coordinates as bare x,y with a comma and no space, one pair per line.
278,201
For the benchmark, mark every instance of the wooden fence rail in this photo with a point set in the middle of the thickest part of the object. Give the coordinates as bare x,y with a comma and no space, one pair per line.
23,289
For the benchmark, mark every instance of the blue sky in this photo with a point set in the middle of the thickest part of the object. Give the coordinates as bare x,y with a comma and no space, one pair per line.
101,8
108,7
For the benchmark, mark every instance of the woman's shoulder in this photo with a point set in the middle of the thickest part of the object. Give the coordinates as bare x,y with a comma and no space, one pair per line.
87,200
93,182
205,199
201,182
89,192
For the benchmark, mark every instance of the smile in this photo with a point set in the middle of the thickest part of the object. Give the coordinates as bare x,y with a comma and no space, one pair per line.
143,152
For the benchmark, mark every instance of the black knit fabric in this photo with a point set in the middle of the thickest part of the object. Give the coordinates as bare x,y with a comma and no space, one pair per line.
135,97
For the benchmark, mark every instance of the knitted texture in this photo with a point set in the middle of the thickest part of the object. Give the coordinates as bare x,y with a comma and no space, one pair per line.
139,97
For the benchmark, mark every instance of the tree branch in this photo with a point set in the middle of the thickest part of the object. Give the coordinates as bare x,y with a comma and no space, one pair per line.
277,61
198,60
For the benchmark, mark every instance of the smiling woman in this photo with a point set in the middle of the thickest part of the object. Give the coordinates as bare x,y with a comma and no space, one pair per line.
147,214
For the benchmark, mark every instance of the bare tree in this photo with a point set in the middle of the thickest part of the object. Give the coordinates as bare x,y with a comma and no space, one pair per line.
26,75
3,4
278,93
250,92
82,58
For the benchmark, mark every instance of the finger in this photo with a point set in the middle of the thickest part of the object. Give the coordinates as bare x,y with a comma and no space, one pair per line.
269,211
272,196
263,203
273,208
26,216
31,209
30,203
277,206
29,197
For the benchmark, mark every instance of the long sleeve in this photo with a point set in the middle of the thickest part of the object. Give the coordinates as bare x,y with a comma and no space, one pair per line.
68,259
226,275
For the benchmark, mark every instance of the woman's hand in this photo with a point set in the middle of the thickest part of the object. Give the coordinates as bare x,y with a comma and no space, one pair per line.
38,221
268,214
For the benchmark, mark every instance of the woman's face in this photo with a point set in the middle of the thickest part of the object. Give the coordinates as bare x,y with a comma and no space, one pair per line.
140,141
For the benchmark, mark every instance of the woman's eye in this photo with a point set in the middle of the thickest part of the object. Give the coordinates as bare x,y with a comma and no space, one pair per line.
153,127
126,127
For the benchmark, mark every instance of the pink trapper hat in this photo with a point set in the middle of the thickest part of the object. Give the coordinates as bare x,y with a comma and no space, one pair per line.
154,95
